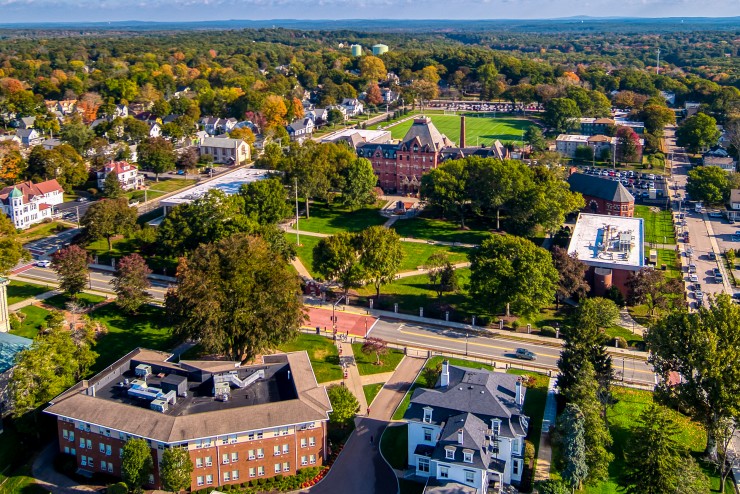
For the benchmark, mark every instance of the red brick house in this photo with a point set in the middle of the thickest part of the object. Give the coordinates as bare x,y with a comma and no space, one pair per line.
603,195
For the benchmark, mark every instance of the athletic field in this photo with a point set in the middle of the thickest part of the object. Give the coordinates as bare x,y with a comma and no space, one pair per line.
479,130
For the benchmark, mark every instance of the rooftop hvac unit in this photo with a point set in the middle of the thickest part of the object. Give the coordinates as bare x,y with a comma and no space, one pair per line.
221,388
145,393
159,406
143,370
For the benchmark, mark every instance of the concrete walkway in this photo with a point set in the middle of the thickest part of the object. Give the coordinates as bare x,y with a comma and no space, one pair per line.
390,222
626,321
360,468
291,230
353,380
302,271
544,456
32,300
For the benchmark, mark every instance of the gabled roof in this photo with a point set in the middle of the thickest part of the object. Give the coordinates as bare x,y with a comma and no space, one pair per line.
601,188
216,142
119,167
30,190
424,133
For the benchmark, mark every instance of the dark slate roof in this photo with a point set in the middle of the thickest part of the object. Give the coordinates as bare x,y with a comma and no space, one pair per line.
497,150
716,152
474,440
368,149
602,188
426,134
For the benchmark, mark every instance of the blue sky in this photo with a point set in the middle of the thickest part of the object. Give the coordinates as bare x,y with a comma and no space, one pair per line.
203,10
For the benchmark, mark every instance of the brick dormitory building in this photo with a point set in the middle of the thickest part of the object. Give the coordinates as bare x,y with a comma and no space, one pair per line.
238,422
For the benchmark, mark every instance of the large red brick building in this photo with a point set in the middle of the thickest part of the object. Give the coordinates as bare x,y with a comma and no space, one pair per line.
237,422
603,195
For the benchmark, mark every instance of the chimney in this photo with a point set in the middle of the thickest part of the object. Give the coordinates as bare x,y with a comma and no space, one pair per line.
519,396
462,131
444,379
460,437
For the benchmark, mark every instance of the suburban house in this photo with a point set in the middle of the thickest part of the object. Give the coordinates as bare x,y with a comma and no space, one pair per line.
734,209
155,130
51,143
214,125
603,195
399,166
120,111
24,122
28,203
718,156
225,150
302,127
320,116
238,423
29,137
128,175
612,247
691,108
467,433
352,106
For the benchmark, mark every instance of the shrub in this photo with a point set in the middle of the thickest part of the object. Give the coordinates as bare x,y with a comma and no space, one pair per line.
119,488
92,191
528,452
548,331
515,324
15,322
621,342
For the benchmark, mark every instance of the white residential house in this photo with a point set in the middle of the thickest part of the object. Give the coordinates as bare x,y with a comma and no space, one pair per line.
302,127
468,431
214,125
128,175
734,209
155,130
29,137
28,203
341,109
225,150
319,116
121,111
718,156
352,106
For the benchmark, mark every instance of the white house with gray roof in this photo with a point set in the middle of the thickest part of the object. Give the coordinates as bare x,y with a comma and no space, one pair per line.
467,433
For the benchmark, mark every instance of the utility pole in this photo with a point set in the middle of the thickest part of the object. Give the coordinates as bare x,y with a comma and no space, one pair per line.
297,231
657,67
77,208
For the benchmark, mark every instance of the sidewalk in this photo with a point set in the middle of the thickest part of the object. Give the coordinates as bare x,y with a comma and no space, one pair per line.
30,301
354,380
544,456
626,321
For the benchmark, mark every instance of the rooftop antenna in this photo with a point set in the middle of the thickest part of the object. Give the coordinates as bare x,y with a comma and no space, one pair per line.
657,67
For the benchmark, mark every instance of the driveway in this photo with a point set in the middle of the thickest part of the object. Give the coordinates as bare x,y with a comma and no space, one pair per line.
45,474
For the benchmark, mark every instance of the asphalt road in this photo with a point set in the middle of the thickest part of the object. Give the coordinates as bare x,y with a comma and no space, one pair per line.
480,344
99,281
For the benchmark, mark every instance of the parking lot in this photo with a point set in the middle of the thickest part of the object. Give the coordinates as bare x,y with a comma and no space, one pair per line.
641,185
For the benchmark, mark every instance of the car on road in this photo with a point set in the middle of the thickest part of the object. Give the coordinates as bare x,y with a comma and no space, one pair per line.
689,251
524,354
43,263
82,199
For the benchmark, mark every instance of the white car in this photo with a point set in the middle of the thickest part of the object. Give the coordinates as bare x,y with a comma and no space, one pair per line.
693,278
43,263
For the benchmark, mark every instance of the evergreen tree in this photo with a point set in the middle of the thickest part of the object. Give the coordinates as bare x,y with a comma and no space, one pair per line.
571,424
112,186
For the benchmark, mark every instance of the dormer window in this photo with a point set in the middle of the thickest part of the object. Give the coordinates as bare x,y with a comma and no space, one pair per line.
428,415
467,456
449,452
496,426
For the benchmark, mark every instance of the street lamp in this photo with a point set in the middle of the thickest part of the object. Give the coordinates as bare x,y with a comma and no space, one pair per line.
466,342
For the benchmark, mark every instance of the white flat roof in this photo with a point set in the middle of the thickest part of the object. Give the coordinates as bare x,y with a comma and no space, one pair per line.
229,183
613,242
367,135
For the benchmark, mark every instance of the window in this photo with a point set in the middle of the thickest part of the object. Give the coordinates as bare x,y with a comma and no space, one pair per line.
469,476
449,454
107,432
286,466
234,457
225,458
65,434
90,461
259,435
304,460
312,459
83,461
89,443
423,465
235,475
232,438
207,443
515,467
102,447
120,452
516,446
286,449
312,441
260,471
209,461
428,435
251,454
260,453
82,443
225,440
468,457
428,415
108,450
303,442
199,480
276,450
209,479
72,436
199,462
103,466
250,436
227,476
444,472
496,426
251,472
66,449
110,467
73,452
277,467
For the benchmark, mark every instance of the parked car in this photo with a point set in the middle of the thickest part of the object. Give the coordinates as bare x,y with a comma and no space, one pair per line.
692,268
693,278
699,295
712,256
82,199
43,263
523,353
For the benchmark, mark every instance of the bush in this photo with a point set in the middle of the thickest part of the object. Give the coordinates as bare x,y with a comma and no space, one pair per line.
615,296
92,191
621,342
46,220
515,324
15,322
119,488
548,331
528,452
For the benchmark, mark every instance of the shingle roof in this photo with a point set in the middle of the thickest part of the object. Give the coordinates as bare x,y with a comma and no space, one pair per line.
426,134
601,188
29,190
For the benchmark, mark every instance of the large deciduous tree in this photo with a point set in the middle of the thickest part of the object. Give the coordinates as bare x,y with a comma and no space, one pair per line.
441,273
536,140
358,183
709,184
12,164
446,188
265,201
628,144
377,346
136,463
70,265
561,114
344,405
156,154
176,469
703,348
572,274
11,249
652,288
697,132
381,255
372,68
62,163
236,296
131,282
511,272
338,258
108,218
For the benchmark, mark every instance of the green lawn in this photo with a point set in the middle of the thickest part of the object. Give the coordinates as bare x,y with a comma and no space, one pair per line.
626,333
158,189
437,229
479,130
323,354
35,319
658,226
148,329
622,420
371,391
394,445
337,218
366,362
60,301
125,246
415,254
41,230
18,291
